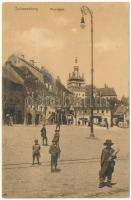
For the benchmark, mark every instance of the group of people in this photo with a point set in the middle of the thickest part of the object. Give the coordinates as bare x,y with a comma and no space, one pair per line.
108,156
54,149
33,118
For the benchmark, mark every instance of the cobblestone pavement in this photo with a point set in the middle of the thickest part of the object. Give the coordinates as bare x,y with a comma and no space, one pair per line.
79,163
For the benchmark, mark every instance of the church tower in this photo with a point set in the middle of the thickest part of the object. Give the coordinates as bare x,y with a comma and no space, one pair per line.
76,82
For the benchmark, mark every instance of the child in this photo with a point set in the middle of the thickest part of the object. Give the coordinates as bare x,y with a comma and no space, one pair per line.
36,152
55,154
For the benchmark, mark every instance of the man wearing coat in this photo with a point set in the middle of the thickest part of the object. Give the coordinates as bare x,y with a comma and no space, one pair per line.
43,135
107,163
56,136
55,154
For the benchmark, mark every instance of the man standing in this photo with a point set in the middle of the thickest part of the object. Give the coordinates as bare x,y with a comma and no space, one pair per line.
36,152
8,119
11,120
107,163
55,154
106,123
43,134
58,126
56,136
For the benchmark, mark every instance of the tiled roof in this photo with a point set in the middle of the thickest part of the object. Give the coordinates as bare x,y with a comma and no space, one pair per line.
9,73
106,91
100,91
88,89
76,79
79,89
121,110
19,62
34,70
47,76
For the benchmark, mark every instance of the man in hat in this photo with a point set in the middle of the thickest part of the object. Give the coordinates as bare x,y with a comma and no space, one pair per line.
55,154
56,136
43,134
107,163
36,152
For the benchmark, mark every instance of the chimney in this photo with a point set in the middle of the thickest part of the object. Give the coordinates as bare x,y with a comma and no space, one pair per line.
42,68
106,86
22,56
76,60
32,62
58,78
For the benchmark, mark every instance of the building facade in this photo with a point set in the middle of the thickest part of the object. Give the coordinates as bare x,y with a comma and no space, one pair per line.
102,110
76,83
30,91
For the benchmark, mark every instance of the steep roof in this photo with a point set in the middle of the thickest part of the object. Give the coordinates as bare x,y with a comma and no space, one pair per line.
47,76
77,89
80,79
34,70
88,89
9,73
121,110
20,62
106,91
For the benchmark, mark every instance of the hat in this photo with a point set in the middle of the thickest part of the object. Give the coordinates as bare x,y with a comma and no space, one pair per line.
36,141
107,142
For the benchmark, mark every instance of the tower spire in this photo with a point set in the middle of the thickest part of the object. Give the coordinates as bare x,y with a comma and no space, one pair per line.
76,60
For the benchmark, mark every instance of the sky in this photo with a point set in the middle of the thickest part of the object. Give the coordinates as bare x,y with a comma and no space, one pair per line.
50,33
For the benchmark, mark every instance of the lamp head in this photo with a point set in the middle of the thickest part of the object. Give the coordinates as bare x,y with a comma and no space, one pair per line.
82,24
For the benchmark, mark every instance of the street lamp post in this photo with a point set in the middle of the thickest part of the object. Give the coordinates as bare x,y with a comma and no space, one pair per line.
84,11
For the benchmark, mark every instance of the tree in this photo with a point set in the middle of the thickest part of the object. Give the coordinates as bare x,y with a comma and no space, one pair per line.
125,101
113,104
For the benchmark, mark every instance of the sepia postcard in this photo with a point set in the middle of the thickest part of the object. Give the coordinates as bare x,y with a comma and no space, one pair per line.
65,100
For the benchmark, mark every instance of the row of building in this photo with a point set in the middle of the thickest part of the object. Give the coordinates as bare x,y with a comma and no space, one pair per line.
31,94
82,98
29,91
